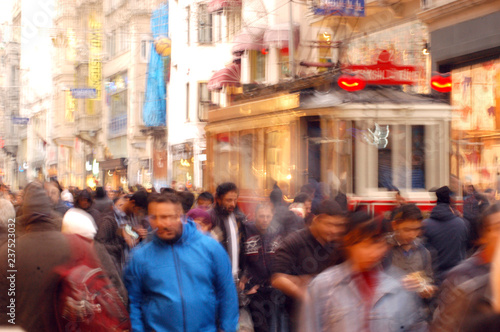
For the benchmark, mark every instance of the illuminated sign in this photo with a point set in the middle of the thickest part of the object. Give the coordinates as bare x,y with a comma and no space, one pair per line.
95,64
385,72
441,83
95,168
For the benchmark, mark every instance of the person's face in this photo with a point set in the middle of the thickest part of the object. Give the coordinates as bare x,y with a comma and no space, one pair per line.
407,230
366,254
204,204
166,218
84,203
308,205
228,201
263,218
470,189
53,193
203,225
329,228
120,204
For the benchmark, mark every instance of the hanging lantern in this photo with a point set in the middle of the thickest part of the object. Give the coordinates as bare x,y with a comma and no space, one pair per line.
351,82
441,83
163,46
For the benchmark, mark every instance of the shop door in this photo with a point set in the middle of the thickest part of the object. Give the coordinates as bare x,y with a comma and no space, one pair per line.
313,129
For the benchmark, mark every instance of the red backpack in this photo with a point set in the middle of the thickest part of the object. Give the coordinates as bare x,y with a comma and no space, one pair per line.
86,299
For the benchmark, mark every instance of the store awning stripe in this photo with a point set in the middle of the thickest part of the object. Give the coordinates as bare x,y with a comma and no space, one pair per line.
229,76
249,39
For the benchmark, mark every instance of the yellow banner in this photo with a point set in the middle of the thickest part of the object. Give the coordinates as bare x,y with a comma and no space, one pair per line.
95,64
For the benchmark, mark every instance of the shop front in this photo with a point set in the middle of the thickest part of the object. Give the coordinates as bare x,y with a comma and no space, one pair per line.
113,173
183,164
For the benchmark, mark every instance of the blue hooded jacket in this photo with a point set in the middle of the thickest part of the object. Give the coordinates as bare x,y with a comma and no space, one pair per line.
183,286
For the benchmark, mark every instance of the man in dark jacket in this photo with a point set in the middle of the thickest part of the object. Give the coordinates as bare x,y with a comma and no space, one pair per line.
102,202
445,234
228,221
42,248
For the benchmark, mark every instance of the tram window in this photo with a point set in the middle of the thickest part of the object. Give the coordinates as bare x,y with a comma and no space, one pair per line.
248,180
401,160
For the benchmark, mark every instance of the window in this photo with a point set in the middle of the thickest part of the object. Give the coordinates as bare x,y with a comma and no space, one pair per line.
204,101
257,66
124,39
217,26
188,23
204,25
187,102
112,43
233,21
145,50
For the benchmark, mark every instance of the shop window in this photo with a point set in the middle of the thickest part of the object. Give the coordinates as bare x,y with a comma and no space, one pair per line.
124,39
204,101
247,162
277,146
204,25
257,66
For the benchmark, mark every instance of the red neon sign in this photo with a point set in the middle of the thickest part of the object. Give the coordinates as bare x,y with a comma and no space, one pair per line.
351,82
385,72
441,83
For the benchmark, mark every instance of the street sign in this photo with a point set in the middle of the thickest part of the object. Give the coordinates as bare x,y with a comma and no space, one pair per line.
86,93
20,121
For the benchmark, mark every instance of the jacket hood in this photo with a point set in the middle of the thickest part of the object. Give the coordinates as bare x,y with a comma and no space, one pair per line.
442,212
36,211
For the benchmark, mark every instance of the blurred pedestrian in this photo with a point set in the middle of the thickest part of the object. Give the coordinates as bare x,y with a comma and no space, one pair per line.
42,248
466,292
259,248
202,220
205,201
181,280
102,202
445,234
306,253
7,215
358,295
54,191
187,200
304,198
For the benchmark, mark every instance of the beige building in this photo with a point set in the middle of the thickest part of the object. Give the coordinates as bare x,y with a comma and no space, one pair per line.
101,45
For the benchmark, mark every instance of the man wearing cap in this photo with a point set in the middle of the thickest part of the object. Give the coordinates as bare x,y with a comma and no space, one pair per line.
304,254
445,234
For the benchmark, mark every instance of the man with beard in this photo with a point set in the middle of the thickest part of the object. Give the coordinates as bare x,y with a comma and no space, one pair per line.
228,221
181,280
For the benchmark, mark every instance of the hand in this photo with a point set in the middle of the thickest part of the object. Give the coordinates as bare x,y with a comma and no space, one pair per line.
428,292
128,239
143,233
411,284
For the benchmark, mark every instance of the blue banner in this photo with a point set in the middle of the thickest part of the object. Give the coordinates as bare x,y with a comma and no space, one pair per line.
354,8
155,105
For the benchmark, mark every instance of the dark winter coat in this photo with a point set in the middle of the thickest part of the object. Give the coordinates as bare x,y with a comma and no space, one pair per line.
446,236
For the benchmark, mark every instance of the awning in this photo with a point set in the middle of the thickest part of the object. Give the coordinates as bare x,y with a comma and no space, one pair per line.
249,39
216,5
229,76
278,35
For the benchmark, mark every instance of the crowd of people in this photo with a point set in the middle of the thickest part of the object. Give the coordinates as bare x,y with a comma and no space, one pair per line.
177,261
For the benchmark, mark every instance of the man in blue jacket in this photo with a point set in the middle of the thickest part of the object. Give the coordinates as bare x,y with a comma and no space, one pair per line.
180,281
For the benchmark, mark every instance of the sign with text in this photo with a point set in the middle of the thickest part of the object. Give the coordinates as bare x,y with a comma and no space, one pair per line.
355,8
20,121
95,64
87,93
385,72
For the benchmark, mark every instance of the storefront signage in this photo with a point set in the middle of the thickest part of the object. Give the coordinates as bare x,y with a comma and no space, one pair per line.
88,93
182,151
20,121
354,8
95,64
385,72
441,83
351,82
